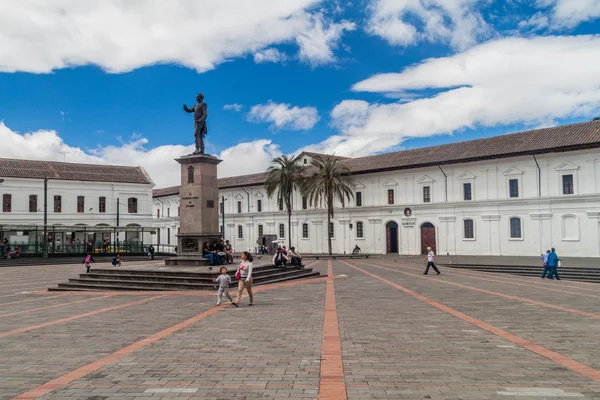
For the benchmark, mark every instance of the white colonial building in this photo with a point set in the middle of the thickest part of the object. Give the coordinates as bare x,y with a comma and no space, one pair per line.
84,201
516,194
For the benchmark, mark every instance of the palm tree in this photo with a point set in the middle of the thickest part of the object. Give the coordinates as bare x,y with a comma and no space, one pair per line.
284,176
329,182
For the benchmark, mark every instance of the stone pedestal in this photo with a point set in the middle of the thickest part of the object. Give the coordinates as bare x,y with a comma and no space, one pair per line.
199,212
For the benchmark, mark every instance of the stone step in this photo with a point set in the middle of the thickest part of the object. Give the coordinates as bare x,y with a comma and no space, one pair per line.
38,261
172,271
591,275
523,267
150,277
532,270
139,286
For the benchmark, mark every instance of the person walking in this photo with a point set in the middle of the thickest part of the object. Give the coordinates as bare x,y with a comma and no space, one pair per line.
88,260
244,277
430,261
223,280
553,262
545,262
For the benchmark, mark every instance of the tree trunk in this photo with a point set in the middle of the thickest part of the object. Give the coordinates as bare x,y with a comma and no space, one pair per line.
329,231
289,229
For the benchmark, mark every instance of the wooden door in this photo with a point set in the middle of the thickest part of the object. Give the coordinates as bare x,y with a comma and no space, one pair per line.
428,238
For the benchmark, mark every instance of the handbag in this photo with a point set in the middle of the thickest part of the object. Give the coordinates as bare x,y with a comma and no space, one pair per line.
238,274
559,264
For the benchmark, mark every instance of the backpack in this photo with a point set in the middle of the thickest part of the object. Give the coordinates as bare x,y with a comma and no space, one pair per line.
88,259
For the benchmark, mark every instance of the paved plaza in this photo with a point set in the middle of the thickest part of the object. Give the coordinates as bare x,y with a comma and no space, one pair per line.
373,329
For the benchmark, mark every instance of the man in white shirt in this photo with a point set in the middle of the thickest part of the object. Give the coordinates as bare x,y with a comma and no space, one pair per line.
430,261
295,257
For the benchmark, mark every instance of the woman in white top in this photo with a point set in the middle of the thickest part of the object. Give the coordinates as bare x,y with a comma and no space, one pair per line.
244,276
430,262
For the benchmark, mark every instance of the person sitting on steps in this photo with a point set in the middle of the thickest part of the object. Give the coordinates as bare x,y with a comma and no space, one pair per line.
295,257
280,259
356,250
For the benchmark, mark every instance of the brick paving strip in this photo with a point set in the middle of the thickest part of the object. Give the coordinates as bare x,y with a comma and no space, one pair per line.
36,299
81,372
74,317
507,296
54,305
498,280
566,362
332,385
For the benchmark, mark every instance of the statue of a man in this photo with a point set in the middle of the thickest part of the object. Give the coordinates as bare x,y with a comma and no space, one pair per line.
200,111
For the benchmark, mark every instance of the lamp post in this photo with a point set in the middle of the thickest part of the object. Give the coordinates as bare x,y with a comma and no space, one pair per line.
223,200
45,237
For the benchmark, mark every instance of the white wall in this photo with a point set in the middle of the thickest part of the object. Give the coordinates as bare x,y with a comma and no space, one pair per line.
568,222
21,189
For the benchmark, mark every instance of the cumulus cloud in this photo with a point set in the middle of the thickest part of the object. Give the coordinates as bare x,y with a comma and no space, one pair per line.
269,55
120,36
233,107
284,116
570,13
243,158
320,39
507,81
405,23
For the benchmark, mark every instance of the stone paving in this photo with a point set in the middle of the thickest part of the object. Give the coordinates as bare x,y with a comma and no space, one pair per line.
373,329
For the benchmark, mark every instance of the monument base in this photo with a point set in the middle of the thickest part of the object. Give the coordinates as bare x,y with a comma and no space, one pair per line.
189,249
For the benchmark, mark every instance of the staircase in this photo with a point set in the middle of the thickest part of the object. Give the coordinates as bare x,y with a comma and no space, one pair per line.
570,273
152,280
24,261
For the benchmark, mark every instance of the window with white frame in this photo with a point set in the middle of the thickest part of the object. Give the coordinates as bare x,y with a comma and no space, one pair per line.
358,199
390,196
360,230
280,202
426,194
515,228
304,231
260,230
468,229
240,232
331,230
304,202
259,205
513,188
281,230
239,207
467,191
567,184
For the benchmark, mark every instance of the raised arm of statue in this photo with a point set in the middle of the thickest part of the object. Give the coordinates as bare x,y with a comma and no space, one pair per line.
186,109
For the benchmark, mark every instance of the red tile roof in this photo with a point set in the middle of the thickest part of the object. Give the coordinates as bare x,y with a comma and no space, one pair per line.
33,169
539,141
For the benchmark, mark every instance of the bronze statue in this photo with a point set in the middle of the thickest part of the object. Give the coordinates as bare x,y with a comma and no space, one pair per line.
200,111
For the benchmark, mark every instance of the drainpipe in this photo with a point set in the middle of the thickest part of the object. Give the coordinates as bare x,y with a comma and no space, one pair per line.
539,176
247,194
445,184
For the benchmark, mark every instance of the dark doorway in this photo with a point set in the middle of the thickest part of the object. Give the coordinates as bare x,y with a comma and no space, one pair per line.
428,237
391,229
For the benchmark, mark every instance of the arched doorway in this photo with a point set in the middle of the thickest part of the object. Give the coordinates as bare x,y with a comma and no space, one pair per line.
391,233
428,237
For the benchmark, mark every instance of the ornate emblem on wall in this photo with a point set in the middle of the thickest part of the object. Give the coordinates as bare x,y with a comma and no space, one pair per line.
407,212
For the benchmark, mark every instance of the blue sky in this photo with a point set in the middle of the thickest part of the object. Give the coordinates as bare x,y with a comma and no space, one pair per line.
106,84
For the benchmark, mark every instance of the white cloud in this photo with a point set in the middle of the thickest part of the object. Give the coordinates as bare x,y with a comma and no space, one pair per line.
233,107
570,13
284,116
120,36
320,39
405,23
244,158
269,55
507,81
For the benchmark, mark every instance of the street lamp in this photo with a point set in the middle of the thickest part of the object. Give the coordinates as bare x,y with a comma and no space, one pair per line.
223,200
